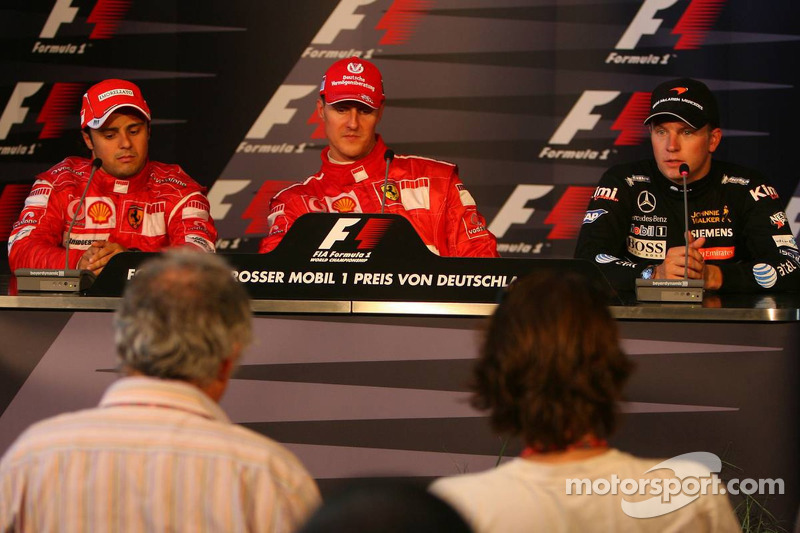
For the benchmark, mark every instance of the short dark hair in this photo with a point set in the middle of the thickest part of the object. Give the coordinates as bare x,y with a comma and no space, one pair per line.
384,506
551,368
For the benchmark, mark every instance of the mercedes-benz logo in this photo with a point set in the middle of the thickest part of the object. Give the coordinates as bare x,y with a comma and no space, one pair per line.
646,202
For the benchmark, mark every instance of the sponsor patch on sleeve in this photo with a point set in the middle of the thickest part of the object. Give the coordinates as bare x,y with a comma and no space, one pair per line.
765,275
39,196
195,209
415,194
785,240
593,215
466,198
200,242
474,225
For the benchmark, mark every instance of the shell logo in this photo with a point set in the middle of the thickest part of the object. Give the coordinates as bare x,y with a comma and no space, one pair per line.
344,205
99,212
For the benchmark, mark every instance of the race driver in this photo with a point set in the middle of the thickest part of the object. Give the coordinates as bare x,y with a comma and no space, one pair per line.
427,192
132,203
740,240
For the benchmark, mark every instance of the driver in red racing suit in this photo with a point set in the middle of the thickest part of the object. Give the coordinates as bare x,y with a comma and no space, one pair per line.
428,193
131,204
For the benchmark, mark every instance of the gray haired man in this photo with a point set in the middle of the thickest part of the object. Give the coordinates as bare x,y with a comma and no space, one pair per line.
158,453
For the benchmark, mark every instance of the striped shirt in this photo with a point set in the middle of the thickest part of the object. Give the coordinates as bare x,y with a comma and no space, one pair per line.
156,455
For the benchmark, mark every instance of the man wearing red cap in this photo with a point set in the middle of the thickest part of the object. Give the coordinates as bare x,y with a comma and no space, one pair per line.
739,236
428,193
132,203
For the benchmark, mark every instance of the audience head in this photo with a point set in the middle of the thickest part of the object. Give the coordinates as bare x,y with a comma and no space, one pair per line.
385,507
181,317
551,368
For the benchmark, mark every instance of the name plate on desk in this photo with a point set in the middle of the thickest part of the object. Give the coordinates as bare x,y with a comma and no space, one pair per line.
360,257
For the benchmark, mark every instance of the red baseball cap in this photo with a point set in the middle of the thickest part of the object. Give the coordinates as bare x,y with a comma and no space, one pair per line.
106,97
353,79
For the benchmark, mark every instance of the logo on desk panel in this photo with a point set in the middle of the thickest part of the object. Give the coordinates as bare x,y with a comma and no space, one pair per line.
345,242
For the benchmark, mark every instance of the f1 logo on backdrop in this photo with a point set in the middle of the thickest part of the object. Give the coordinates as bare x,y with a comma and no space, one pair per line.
584,116
399,21
106,16
61,105
693,26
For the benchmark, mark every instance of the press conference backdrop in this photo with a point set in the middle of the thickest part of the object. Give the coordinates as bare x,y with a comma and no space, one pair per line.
531,98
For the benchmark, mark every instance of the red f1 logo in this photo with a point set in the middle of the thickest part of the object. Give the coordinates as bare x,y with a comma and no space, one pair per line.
61,103
338,233
105,16
693,26
582,117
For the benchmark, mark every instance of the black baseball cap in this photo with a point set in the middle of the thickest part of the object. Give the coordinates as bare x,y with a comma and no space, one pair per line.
685,99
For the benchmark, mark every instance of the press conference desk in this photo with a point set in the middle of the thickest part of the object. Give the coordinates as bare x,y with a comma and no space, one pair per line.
365,388
362,355
726,307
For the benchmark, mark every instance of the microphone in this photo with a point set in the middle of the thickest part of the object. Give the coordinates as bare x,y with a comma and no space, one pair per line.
388,155
684,170
97,163
67,280
674,290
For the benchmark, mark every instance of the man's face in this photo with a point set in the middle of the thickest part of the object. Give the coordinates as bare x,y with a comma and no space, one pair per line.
677,142
350,128
121,143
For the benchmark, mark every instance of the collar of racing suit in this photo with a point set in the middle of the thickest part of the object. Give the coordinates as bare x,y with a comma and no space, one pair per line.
109,184
372,163
675,190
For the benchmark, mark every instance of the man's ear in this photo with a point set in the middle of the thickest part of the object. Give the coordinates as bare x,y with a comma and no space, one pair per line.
715,136
320,107
87,139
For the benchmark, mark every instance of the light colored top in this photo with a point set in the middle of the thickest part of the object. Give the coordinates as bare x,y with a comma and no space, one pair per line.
527,496
156,455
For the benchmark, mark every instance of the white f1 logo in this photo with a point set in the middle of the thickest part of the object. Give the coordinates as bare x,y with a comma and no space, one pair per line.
337,233
581,116
342,18
644,23
14,112
62,13
277,111
514,210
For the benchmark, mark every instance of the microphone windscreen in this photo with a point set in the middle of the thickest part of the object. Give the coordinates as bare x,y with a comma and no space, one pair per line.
683,169
97,163
388,154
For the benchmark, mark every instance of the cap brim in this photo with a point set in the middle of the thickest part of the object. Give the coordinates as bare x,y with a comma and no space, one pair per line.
350,99
691,123
97,123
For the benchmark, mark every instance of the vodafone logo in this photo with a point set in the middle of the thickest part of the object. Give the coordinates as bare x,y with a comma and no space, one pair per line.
355,68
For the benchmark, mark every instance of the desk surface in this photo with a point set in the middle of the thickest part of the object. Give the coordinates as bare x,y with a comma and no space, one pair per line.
726,308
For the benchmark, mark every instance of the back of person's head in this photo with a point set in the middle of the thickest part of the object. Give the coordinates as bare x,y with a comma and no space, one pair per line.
384,507
181,315
551,368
